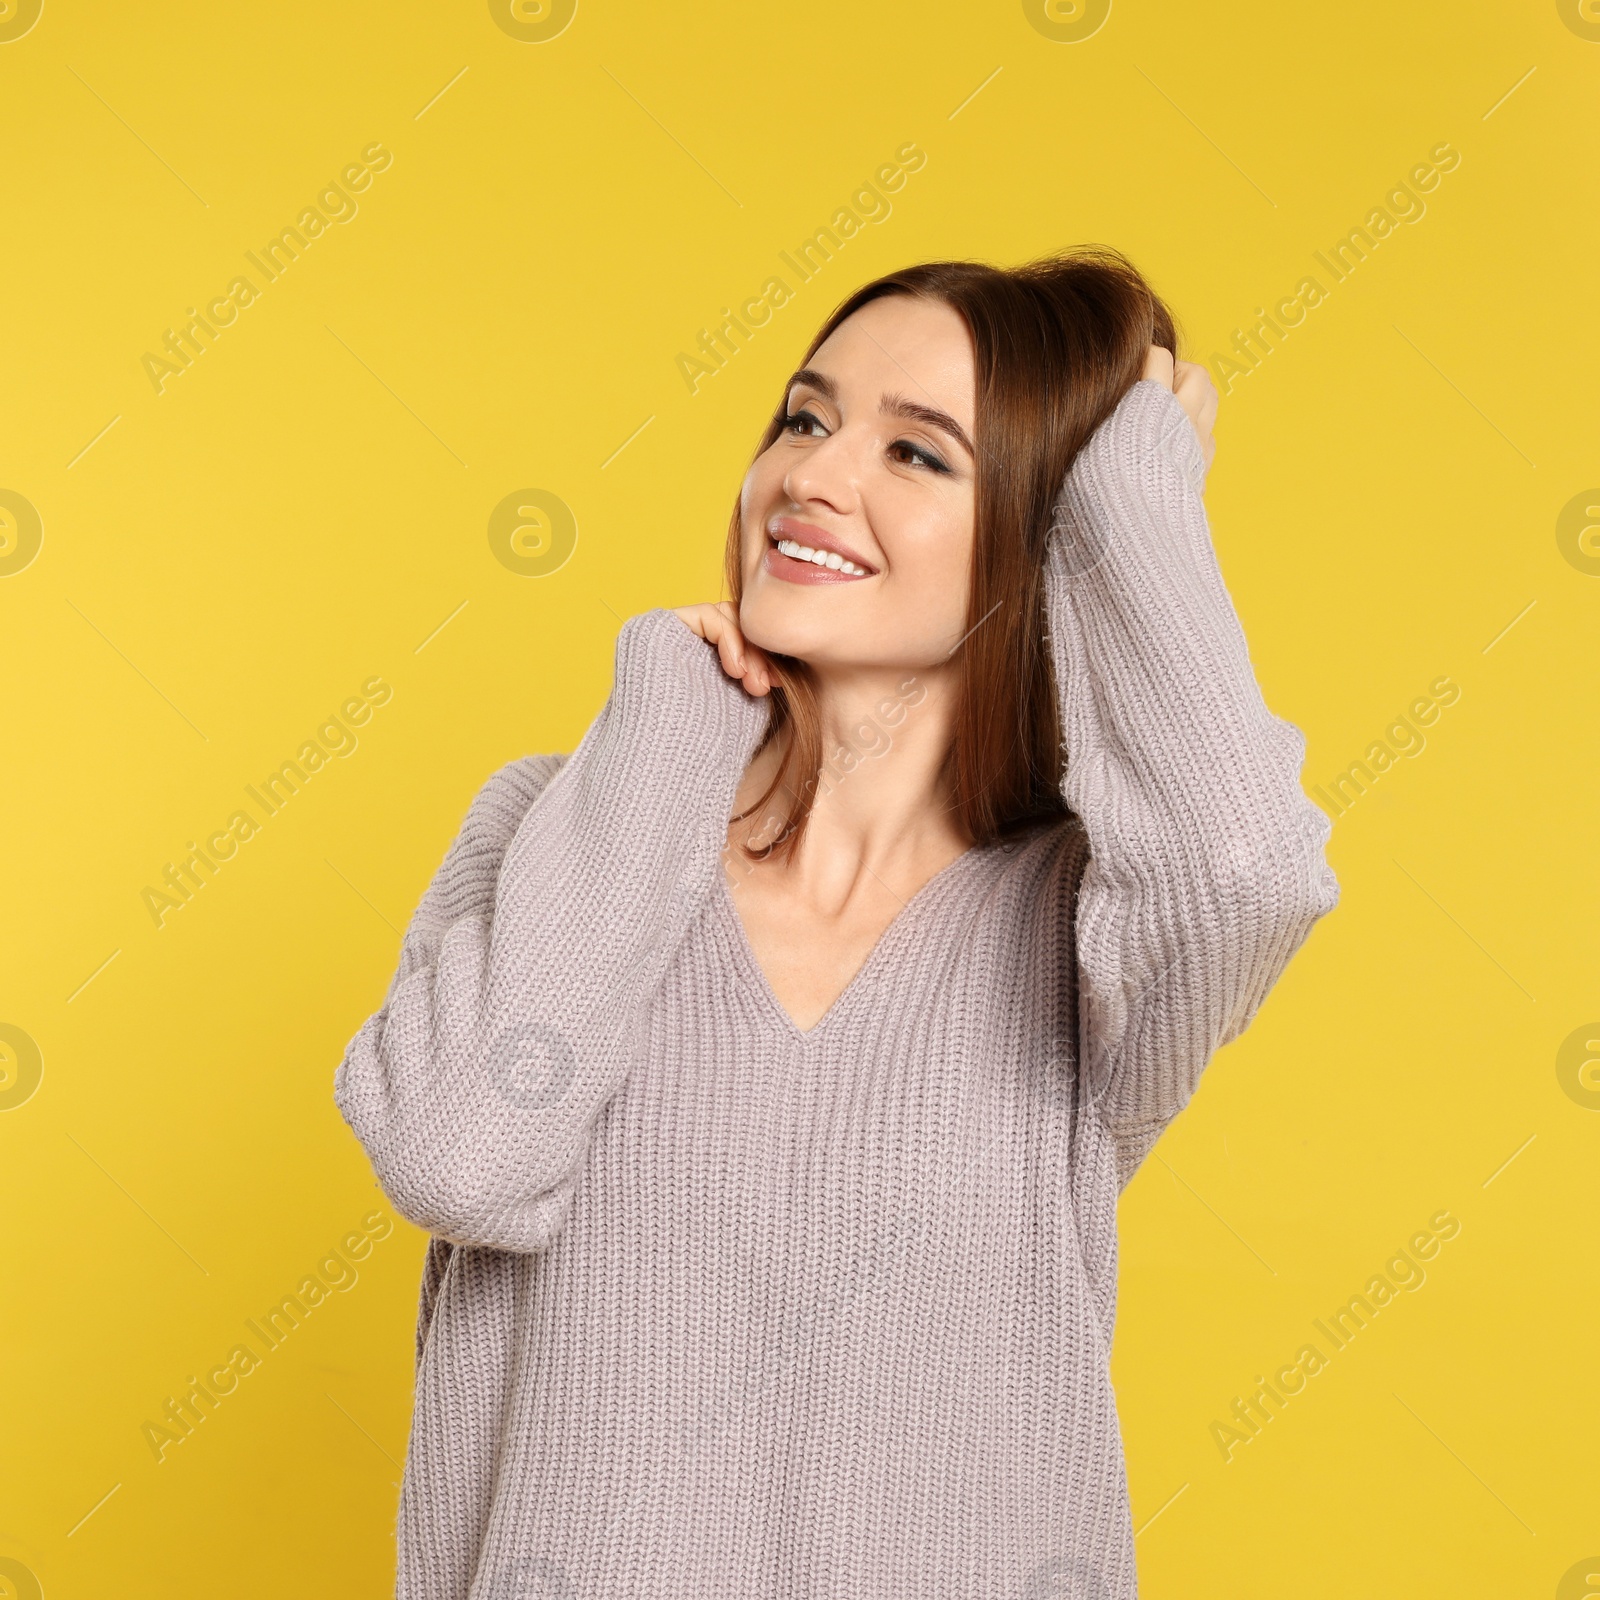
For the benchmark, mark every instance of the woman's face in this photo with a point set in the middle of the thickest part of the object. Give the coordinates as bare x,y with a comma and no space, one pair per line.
876,466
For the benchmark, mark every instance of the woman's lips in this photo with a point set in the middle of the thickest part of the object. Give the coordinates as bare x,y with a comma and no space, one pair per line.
793,571
826,559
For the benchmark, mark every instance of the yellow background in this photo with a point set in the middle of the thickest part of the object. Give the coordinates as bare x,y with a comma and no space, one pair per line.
228,560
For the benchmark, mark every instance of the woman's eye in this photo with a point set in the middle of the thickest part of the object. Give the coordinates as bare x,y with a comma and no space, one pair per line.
927,457
806,424
800,421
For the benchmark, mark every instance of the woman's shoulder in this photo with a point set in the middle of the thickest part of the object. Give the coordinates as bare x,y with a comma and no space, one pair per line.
1012,907
1042,856
504,799
527,775
1041,838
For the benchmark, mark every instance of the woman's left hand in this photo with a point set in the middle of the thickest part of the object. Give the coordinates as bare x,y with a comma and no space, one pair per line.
1196,393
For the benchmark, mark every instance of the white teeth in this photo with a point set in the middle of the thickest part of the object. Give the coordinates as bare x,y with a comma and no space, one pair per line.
820,558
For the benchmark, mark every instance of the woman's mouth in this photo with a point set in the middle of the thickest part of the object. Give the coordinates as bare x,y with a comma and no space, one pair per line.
797,559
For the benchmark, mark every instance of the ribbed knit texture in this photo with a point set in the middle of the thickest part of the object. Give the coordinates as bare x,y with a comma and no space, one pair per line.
717,1309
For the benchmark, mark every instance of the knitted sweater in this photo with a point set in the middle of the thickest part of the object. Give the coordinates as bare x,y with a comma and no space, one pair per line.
720,1309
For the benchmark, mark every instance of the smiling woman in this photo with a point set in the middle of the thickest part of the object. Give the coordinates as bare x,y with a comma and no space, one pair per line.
1042,355
660,1131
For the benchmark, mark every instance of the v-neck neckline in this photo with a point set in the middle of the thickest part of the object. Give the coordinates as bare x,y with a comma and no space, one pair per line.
756,976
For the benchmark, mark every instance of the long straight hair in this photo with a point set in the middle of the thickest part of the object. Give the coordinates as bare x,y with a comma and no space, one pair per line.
1057,344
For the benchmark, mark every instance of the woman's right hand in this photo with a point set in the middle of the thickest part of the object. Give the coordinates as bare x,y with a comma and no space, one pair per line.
719,623
1196,393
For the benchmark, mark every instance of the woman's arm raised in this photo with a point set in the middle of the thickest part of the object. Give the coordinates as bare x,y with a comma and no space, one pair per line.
524,976
1205,866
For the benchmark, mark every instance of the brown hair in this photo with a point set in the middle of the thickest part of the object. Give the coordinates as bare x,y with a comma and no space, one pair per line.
1057,344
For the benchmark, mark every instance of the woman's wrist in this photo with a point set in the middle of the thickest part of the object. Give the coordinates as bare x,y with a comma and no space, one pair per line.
671,677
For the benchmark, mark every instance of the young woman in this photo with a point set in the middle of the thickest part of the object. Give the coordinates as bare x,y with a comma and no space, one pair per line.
768,1069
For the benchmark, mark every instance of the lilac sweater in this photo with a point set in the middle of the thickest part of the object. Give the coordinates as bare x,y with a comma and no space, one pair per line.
717,1309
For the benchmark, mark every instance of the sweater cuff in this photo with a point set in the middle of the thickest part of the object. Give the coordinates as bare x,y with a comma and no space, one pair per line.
1158,424
663,668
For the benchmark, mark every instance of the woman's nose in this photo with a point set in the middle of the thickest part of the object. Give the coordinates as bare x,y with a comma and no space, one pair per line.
829,472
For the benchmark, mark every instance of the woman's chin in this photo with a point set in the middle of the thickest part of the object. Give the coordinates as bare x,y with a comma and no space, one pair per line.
778,640
772,625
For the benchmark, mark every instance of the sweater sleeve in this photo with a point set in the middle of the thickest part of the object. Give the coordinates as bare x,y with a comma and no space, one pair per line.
1205,867
525,974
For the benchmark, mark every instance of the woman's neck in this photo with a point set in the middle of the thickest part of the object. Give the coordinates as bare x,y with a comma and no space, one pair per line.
882,805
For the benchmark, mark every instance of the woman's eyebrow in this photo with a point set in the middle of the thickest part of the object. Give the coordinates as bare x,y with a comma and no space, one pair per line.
812,379
894,405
